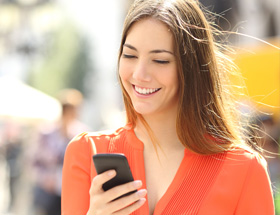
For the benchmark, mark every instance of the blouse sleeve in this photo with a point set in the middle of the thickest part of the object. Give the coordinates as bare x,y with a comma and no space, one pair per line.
256,190
76,178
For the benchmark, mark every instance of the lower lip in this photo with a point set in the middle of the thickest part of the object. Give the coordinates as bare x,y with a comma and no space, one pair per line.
143,95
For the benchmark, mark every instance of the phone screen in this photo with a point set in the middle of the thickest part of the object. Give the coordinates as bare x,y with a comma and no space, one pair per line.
118,162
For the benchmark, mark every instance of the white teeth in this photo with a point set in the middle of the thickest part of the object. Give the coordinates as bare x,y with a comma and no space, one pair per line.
146,91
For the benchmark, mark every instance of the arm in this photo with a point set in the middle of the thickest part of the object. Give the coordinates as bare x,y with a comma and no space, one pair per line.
81,195
76,179
256,197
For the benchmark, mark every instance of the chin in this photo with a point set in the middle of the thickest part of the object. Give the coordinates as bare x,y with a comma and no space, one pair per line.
142,110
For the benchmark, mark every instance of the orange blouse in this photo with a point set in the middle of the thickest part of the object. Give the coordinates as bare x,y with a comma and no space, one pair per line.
234,182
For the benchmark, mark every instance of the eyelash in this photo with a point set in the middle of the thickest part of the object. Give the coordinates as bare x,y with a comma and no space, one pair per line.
128,56
161,61
156,61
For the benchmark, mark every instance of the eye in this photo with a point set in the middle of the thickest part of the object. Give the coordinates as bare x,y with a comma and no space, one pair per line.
128,56
161,61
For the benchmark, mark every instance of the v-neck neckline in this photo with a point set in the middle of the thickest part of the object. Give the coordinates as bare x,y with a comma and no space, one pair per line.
173,186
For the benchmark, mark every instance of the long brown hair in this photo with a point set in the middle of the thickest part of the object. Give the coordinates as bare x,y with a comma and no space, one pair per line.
206,121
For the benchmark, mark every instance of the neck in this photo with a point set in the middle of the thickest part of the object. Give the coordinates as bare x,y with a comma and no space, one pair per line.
163,128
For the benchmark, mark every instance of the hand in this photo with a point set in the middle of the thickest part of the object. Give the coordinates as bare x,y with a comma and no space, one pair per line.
101,202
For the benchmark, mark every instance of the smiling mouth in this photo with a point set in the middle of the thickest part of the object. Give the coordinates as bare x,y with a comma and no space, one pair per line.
145,91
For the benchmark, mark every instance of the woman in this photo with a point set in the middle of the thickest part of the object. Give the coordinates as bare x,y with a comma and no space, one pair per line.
184,148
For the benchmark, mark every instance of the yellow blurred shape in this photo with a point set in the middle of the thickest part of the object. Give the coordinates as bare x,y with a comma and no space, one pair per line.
260,67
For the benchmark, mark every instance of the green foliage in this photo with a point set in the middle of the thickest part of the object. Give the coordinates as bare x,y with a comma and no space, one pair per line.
80,68
65,64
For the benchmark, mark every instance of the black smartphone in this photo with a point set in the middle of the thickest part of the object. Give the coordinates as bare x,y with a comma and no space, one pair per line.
118,162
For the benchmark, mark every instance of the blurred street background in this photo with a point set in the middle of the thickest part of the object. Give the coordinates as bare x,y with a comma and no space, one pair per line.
58,77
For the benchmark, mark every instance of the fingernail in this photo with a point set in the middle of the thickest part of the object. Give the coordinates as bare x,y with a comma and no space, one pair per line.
142,200
137,184
142,193
111,173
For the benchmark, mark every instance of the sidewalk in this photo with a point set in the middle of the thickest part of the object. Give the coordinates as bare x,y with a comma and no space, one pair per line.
22,204
4,185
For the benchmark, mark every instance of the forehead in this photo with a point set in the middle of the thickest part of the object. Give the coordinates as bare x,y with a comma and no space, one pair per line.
150,33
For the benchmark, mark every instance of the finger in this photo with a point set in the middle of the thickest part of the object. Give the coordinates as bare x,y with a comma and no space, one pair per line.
127,201
100,179
131,208
120,190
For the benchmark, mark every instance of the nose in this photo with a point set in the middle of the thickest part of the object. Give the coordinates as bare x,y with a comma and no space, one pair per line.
141,72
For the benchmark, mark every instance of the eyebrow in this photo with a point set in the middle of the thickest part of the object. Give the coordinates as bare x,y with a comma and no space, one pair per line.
153,51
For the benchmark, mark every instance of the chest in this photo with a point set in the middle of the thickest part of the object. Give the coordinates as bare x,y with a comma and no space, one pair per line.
159,174
177,185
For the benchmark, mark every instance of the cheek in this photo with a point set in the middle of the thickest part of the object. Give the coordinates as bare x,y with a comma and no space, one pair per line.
124,71
174,82
124,74
171,77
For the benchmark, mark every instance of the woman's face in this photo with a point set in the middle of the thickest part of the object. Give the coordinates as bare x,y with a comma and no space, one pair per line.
148,68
